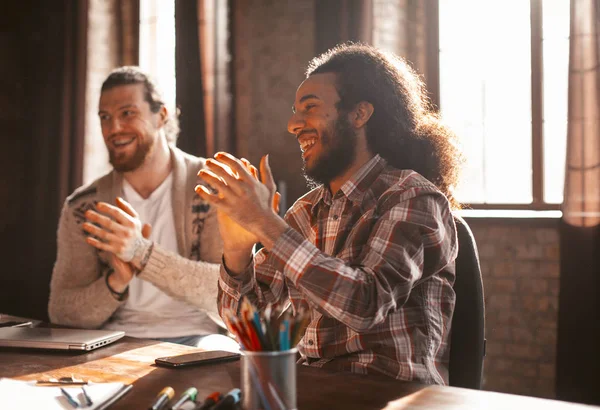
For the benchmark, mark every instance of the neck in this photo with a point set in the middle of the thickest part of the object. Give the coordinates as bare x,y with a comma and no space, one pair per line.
363,155
153,171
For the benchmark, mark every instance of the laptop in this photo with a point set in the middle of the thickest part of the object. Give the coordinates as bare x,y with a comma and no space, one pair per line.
57,339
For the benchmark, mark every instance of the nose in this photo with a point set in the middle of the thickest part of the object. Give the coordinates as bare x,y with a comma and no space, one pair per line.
296,123
112,126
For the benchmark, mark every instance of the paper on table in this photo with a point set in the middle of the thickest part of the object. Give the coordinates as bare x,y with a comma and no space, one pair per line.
17,394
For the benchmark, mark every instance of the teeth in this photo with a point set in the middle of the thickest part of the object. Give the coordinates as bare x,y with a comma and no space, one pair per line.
306,144
121,142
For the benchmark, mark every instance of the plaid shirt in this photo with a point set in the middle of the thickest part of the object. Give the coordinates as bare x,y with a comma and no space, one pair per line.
375,266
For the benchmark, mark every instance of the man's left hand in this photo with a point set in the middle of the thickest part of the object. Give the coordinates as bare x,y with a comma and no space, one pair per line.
240,195
117,231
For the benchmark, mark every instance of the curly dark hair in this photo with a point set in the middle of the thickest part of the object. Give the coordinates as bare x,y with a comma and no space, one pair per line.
404,128
128,75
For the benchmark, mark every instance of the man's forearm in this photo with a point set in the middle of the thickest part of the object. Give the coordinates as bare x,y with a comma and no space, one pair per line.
237,260
181,278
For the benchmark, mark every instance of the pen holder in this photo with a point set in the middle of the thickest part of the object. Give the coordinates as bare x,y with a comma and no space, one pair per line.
269,379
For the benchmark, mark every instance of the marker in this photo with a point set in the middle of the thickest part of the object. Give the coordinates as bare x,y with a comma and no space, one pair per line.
163,397
88,399
69,398
189,394
284,335
228,401
209,401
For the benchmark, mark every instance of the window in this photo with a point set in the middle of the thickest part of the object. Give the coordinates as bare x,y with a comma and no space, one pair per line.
157,57
503,69
157,45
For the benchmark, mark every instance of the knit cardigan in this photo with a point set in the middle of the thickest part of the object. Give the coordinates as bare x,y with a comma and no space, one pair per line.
79,296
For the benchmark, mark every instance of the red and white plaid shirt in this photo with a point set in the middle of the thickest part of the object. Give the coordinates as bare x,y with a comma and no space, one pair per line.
375,266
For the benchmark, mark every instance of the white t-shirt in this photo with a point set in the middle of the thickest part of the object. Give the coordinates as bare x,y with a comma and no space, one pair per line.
149,312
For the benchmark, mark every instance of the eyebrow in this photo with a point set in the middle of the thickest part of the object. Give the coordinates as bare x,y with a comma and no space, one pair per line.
120,108
304,98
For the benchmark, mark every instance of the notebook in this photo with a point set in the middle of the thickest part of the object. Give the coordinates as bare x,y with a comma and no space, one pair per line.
60,339
17,395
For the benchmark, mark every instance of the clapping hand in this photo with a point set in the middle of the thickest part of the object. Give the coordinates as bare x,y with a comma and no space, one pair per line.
245,204
118,231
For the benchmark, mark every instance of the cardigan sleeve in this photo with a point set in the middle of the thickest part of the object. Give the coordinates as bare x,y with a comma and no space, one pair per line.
79,296
187,279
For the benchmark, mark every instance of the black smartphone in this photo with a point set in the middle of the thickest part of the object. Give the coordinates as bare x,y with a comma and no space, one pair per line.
194,359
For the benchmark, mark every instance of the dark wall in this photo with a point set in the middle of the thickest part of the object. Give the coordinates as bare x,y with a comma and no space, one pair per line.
36,45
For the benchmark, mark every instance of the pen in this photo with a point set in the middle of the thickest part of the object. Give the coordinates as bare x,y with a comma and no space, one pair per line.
88,399
163,397
189,394
69,398
228,401
209,401
63,380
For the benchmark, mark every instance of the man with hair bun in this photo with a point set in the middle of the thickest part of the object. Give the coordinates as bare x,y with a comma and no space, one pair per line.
137,249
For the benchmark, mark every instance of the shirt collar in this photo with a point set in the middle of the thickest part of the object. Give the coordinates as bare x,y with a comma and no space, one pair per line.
356,187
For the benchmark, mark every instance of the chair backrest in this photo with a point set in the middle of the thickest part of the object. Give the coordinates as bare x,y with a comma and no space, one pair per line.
467,337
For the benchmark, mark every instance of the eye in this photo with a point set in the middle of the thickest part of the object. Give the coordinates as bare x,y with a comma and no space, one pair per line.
128,114
308,107
104,117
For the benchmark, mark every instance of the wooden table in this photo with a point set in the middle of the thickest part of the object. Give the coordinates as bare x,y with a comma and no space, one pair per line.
131,360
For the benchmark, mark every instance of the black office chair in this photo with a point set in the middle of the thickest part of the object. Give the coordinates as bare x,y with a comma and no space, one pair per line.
467,338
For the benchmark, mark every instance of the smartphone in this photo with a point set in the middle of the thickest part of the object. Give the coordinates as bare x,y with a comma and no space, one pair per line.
194,359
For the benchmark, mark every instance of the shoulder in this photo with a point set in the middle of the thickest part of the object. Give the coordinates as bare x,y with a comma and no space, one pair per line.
188,160
85,197
411,200
89,190
406,188
404,181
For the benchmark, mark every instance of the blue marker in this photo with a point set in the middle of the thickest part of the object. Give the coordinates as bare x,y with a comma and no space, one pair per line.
69,398
284,335
229,401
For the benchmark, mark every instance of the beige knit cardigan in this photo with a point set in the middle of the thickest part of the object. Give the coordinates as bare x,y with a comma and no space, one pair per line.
79,296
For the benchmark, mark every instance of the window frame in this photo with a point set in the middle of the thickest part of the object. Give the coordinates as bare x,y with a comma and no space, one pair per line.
537,120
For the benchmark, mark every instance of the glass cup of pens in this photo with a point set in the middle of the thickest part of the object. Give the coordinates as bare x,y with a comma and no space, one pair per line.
269,355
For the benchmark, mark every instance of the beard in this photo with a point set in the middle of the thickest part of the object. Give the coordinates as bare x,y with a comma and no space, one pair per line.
338,154
122,163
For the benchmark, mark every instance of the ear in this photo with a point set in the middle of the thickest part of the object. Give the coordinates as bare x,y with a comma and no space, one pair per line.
163,116
361,114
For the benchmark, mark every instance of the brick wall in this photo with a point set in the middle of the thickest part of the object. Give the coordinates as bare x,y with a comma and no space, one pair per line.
273,42
520,268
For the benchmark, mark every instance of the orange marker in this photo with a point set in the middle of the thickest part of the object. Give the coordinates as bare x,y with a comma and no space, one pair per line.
163,397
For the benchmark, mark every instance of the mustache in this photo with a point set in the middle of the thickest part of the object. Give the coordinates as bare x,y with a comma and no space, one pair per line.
309,131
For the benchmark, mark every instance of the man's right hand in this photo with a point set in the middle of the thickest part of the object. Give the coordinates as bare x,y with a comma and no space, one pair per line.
123,272
237,241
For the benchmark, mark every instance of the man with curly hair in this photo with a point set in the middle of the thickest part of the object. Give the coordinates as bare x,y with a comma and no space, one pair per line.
370,250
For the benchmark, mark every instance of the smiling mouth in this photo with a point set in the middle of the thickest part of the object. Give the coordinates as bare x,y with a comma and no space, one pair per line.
307,144
122,142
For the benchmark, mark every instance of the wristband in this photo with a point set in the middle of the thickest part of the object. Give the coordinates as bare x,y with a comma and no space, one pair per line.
142,252
120,296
